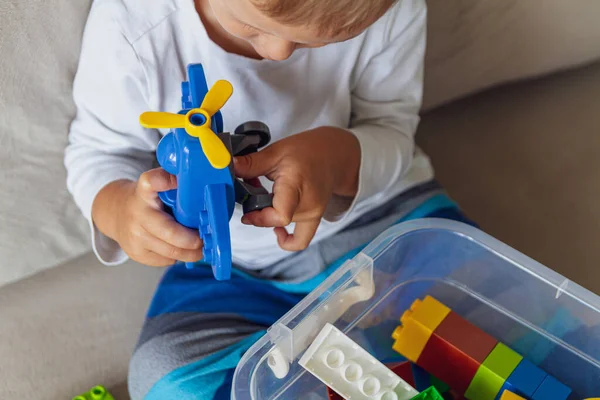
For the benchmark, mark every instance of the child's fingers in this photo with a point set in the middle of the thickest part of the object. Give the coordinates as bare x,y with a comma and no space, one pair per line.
286,198
165,228
300,239
154,181
265,218
255,165
155,260
171,252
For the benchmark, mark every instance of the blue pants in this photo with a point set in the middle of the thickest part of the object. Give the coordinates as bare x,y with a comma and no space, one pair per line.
197,328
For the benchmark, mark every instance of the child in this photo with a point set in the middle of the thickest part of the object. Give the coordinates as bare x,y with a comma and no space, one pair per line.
339,83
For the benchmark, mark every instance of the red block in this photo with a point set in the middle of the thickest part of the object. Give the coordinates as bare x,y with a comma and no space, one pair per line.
455,351
448,364
404,371
462,334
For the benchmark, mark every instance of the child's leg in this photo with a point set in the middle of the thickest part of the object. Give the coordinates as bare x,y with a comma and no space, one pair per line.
197,328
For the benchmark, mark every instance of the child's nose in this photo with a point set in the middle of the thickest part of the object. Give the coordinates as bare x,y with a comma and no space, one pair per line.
278,49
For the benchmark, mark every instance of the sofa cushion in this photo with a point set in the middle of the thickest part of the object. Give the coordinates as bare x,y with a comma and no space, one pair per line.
472,45
39,44
70,328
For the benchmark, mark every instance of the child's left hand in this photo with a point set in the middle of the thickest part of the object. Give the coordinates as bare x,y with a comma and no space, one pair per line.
307,169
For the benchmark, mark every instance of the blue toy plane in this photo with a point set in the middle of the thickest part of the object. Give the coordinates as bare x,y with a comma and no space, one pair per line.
199,154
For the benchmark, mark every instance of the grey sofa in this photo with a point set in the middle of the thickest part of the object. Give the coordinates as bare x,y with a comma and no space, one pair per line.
523,160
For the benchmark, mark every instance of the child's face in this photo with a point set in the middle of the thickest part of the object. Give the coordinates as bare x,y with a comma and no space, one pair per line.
269,38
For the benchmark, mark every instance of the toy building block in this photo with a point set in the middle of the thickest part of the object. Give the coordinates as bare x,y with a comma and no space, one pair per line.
551,389
422,378
493,373
351,371
463,335
508,395
429,312
441,387
456,368
200,155
402,369
484,386
524,380
461,345
417,326
96,393
430,393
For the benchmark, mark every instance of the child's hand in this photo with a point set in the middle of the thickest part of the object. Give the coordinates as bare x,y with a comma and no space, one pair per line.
307,169
131,213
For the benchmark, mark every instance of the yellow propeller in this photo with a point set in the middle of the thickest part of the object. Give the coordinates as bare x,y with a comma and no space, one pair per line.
197,123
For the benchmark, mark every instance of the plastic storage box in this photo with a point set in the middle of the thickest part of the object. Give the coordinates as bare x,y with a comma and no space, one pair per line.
538,313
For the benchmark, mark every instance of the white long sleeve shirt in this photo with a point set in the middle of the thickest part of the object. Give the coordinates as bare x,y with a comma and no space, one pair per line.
134,58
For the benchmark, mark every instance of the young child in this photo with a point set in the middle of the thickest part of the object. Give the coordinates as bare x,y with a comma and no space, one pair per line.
339,83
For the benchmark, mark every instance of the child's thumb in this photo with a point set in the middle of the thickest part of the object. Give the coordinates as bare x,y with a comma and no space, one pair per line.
156,180
253,165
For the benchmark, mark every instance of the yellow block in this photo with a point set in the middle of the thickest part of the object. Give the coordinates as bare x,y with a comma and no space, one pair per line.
417,326
508,395
411,338
429,312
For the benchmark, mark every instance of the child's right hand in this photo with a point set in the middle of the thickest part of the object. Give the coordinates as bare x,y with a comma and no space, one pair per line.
131,214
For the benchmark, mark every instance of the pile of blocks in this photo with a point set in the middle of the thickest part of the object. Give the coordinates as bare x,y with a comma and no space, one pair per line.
474,364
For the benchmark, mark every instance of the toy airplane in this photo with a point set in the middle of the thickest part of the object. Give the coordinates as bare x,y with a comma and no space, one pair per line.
199,154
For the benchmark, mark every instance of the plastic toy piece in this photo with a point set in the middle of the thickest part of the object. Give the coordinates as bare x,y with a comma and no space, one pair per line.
484,386
199,154
429,312
439,385
524,380
96,393
493,373
463,335
430,393
461,345
500,364
456,368
502,361
551,389
350,370
508,395
417,326
402,369
422,378
470,361
410,338
197,123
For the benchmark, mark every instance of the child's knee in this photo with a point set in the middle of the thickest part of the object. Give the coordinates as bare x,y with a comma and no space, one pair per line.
147,366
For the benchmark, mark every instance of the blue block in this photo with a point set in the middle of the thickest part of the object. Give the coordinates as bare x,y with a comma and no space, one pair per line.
422,378
551,389
524,380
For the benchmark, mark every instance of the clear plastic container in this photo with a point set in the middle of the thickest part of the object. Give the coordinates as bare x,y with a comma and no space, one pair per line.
546,318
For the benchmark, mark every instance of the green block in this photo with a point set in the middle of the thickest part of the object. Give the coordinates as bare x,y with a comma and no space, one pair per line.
502,361
429,394
96,393
439,385
485,385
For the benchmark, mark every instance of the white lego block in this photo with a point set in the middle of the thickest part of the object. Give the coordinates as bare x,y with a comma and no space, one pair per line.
350,370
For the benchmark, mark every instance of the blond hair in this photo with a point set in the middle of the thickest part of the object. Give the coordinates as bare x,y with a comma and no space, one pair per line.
328,17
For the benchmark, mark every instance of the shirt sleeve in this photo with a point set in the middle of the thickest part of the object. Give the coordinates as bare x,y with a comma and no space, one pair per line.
385,104
106,142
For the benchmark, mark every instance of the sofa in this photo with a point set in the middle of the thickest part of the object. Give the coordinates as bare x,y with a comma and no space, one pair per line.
510,120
